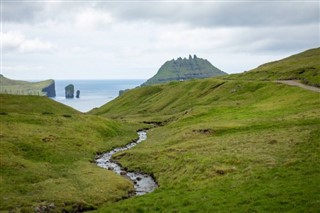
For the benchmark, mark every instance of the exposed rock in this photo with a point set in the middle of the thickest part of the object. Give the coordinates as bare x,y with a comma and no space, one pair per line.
78,94
69,91
184,69
50,90
123,173
16,87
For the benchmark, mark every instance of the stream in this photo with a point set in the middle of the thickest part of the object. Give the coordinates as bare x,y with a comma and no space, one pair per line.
143,183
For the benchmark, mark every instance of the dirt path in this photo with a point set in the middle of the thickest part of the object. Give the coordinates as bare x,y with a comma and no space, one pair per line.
297,84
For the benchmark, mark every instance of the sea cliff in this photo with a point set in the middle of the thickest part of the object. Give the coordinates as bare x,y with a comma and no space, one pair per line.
17,87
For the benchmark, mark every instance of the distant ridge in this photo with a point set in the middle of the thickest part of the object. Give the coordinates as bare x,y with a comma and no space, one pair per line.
184,69
16,87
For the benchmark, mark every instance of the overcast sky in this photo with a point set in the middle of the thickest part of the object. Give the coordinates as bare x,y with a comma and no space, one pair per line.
132,39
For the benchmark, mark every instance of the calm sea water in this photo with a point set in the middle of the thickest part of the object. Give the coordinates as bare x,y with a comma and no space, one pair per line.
93,93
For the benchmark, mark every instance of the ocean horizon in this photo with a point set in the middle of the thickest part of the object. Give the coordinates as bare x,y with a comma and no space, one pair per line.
93,93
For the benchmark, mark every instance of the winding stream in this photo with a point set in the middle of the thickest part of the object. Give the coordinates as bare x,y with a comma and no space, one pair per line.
143,183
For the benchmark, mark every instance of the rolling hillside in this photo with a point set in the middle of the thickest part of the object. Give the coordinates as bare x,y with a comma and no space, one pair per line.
227,144
223,146
46,156
304,67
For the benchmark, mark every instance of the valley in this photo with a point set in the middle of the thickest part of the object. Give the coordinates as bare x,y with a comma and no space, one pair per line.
232,143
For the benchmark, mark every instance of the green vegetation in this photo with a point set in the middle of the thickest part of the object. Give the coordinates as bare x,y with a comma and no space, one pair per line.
46,156
232,144
226,146
41,88
304,66
183,69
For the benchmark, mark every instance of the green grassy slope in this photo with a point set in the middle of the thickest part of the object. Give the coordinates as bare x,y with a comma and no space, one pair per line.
304,66
9,86
45,155
226,146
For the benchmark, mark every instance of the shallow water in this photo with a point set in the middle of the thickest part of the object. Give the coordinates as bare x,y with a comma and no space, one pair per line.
143,183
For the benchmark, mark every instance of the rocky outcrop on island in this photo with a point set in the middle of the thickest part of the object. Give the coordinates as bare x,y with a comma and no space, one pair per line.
184,69
16,87
78,94
69,91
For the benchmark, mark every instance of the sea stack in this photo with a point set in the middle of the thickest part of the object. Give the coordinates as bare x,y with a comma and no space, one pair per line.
69,91
78,94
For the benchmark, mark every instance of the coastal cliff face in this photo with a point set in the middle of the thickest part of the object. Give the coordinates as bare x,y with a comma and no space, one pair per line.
184,69
50,90
16,87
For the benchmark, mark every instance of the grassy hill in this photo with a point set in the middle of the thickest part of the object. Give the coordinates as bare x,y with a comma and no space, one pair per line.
41,88
46,153
184,69
237,145
304,66
223,146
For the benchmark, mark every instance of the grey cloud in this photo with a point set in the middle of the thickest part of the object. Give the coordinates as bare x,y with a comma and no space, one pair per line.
40,11
205,14
20,11
213,14
276,39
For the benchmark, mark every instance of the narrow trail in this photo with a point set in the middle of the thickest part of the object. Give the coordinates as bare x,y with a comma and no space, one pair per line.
297,84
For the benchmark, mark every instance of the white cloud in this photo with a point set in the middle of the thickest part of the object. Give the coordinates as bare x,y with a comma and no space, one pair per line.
112,40
23,68
13,41
90,18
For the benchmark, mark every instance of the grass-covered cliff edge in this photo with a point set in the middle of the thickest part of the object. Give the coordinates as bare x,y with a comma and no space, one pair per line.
16,87
240,145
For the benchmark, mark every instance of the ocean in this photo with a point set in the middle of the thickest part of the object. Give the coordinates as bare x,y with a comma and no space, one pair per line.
93,93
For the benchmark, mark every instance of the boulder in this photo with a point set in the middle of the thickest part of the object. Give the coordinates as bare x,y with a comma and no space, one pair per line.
123,173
